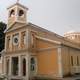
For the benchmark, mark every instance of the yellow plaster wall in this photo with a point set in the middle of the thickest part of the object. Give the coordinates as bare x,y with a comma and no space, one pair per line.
44,44
47,62
47,59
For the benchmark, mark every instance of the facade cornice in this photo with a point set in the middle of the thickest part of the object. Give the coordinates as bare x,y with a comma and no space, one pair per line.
11,30
49,48
17,51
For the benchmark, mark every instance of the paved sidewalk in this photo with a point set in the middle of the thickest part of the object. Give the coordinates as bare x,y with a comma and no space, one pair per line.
66,78
72,78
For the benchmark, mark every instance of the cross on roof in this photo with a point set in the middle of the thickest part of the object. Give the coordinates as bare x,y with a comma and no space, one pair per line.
17,1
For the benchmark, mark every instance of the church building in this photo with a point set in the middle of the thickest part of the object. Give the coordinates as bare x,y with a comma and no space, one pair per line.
32,51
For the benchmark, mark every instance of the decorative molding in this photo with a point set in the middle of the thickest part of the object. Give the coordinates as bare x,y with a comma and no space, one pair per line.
19,51
49,40
49,48
17,4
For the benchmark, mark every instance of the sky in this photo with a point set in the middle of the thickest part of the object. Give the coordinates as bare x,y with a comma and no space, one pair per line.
59,16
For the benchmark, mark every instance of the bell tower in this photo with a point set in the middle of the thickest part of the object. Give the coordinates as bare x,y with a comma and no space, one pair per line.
17,13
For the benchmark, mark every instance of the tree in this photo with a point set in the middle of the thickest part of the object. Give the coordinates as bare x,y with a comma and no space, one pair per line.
2,35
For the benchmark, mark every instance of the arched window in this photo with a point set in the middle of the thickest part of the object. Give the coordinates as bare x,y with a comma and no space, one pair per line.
21,12
32,61
77,61
15,68
12,13
72,60
24,67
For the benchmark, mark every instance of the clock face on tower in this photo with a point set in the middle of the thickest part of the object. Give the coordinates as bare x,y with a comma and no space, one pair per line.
16,40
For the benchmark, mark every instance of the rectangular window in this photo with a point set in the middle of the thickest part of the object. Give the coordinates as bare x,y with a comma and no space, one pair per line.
72,60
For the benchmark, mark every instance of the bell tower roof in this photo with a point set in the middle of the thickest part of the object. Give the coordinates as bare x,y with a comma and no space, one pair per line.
18,4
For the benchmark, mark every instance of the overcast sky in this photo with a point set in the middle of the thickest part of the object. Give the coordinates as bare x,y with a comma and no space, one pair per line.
59,16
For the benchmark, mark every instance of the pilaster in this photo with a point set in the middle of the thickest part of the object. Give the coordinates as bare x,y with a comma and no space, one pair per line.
20,66
4,67
10,66
11,43
27,67
60,62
